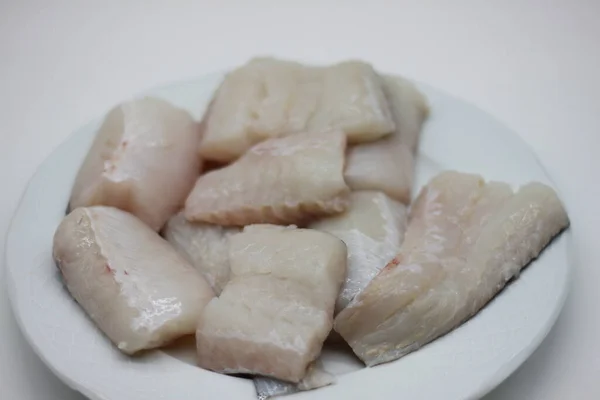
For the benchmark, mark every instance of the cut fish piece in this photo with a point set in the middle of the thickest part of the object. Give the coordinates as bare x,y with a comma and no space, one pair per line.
137,289
388,164
274,314
271,98
316,377
409,109
205,246
373,230
464,241
131,162
281,181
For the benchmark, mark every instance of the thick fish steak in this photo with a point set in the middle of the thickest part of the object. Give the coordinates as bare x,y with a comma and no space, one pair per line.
137,289
143,160
281,181
465,241
271,98
276,311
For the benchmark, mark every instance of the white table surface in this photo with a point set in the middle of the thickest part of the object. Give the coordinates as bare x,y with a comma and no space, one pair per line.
533,64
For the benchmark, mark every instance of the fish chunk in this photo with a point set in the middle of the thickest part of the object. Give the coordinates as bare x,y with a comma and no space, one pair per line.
373,230
388,164
137,289
465,241
205,246
316,377
280,181
131,162
271,98
276,311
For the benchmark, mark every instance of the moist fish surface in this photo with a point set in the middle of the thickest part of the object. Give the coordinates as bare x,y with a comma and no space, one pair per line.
205,246
280,181
465,240
373,230
271,98
143,160
276,311
135,287
388,164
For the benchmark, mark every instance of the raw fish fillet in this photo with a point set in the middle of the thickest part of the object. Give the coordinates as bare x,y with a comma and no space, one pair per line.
464,241
137,289
143,161
316,377
271,98
274,314
388,164
279,181
205,246
409,109
373,230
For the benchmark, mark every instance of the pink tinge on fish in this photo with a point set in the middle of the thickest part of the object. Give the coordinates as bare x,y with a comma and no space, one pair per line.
465,240
281,181
269,98
276,311
135,287
131,164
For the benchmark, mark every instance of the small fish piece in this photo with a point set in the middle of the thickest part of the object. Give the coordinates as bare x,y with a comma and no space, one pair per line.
205,246
269,98
276,311
135,287
281,181
409,109
316,377
388,164
143,160
465,241
373,230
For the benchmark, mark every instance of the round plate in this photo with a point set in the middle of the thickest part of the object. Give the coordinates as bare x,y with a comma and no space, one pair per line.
466,363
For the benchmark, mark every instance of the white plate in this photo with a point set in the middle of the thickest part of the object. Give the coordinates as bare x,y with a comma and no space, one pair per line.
467,363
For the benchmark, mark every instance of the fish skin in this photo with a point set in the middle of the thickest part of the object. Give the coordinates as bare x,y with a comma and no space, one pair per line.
205,246
276,311
281,181
268,98
135,287
130,163
388,164
373,230
465,241
316,377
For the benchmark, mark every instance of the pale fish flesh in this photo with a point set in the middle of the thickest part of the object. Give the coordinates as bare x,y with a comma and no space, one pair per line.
205,246
270,98
143,160
276,311
137,289
465,241
388,164
280,181
373,230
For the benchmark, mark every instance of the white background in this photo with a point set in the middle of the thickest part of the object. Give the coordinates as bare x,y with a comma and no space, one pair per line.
533,64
